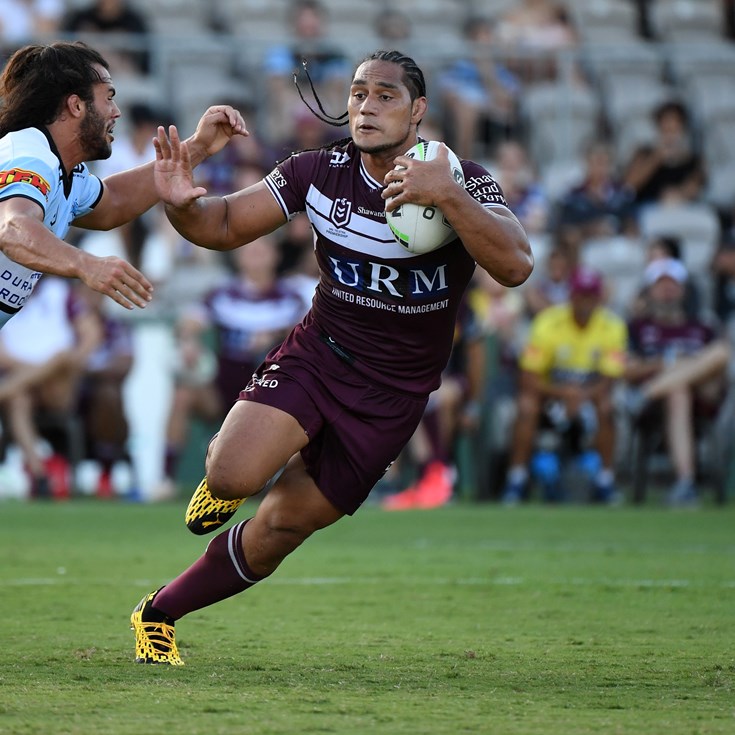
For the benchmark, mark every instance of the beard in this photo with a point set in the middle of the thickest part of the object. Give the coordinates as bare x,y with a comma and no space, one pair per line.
93,136
401,144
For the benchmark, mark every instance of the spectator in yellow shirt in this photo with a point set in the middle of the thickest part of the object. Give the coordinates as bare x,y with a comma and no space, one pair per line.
574,354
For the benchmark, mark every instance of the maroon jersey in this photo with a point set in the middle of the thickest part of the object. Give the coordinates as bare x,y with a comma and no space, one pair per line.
391,311
649,338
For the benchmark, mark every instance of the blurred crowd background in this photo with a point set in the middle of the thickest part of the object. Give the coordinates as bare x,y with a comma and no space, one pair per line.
610,125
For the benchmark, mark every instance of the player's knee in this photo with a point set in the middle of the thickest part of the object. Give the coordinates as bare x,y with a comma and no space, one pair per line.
228,486
289,530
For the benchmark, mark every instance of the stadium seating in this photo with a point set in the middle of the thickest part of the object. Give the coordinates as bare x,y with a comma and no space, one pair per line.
622,260
686,20
631,57
561,119
605,20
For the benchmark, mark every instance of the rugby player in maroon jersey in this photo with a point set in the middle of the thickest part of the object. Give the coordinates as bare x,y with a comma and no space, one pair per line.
332,406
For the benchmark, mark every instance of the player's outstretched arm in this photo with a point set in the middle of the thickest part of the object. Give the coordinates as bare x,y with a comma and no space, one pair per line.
217,223
26,241
130,193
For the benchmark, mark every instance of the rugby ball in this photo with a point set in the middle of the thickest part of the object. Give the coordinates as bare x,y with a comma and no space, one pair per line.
422,229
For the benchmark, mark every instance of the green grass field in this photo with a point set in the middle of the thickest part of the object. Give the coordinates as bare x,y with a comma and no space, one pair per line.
469,619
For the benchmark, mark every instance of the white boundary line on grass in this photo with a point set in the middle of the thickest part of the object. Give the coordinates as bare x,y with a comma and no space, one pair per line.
415,581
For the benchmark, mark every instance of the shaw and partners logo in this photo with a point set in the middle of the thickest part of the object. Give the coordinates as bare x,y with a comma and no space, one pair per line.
381,278
22,176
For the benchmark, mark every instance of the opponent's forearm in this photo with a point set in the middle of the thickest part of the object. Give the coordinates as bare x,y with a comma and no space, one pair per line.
128,195
26,241
204,222
133,192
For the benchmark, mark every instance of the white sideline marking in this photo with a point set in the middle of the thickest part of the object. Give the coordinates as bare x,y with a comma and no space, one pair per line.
415,581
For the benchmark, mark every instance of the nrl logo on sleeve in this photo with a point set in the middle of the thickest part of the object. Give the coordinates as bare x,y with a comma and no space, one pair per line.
22,176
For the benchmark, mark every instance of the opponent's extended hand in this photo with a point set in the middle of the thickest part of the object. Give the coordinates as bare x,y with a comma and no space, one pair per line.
117,279
214,130
172,171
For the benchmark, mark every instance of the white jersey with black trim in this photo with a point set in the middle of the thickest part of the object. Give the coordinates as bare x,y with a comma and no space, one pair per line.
30,167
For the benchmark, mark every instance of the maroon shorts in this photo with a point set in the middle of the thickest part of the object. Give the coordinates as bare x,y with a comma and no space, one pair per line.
355,428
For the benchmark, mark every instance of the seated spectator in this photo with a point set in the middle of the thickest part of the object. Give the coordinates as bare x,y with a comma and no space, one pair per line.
498,309
670,168
724,274
600,206
532,33
523,190
550,286
667,248
298,262
678,365
43,356
221,173
248,314
393,27
326,65
501,313
102,402
25,21
573,356
114,17
453,407
479,94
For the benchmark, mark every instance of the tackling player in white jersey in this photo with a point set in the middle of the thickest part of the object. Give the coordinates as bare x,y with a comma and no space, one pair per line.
58,112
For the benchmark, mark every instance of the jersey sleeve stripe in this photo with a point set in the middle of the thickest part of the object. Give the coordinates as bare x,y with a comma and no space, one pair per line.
276,195
99,196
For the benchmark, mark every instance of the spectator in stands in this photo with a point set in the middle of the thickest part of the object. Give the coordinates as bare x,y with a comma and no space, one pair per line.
670,169
677,364
724,274
479,94
501,314
219,174
43,356
23,21
115,17
101,399
499,310
248,314
455,406
550,286
298,261
532,33
729,11
665,247
600,206
309,50
523,190
393,27
574,354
